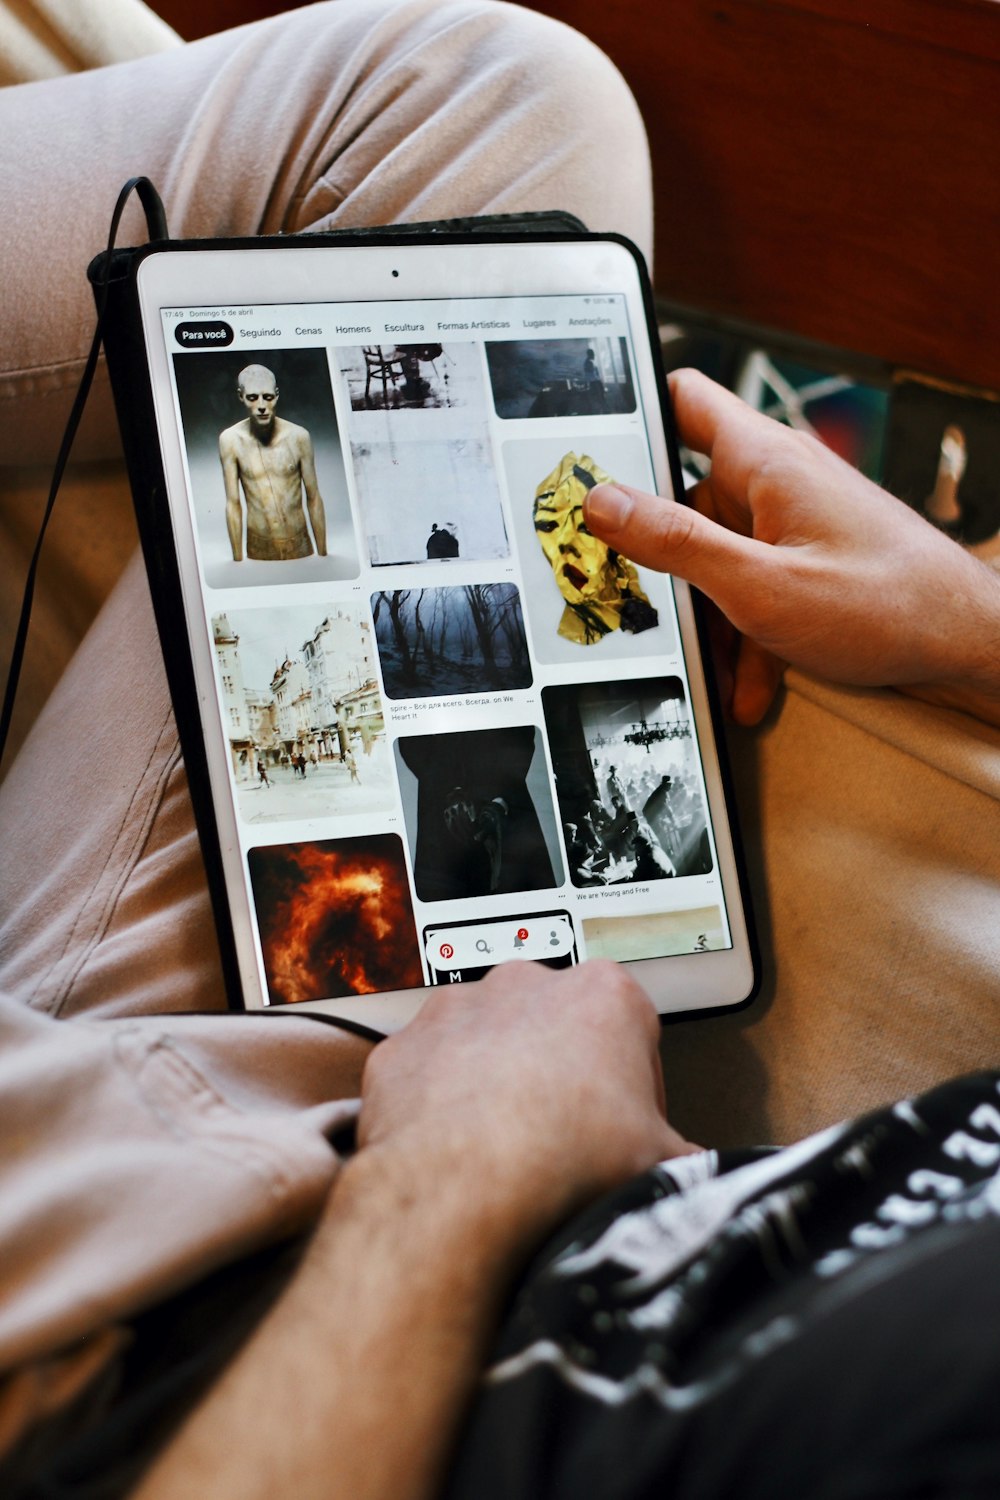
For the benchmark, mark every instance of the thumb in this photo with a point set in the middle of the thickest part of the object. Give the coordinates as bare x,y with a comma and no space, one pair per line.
672,538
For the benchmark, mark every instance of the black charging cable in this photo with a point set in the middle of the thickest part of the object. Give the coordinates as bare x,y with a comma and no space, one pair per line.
156,224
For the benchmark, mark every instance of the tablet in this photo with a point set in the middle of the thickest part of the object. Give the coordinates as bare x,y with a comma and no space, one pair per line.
431,724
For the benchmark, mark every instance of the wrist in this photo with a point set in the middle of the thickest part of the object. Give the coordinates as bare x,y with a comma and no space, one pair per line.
494,1205
420,1196
958,663
970,678
961,698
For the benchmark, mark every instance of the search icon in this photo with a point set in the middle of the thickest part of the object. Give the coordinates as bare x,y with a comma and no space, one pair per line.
482,946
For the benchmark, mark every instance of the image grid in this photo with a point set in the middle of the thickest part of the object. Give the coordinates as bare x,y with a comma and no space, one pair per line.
465,463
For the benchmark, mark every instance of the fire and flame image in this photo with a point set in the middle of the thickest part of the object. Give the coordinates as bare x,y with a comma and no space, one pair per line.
335,918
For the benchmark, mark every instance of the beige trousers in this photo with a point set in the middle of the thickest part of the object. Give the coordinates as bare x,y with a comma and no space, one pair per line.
151,1148
358,112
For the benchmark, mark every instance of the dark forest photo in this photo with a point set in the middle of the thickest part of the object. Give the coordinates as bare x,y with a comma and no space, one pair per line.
433,642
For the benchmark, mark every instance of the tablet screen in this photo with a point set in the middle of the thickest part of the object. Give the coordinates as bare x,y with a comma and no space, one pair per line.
446,726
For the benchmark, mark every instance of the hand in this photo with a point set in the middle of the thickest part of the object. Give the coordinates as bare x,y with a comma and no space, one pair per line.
501,1108
523,1097
812,563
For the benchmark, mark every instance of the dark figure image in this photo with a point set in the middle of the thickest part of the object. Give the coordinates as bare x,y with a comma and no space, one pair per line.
441,542
592,380
478,831
677,817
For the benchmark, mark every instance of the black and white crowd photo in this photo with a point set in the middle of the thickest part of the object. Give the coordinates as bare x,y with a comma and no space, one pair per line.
627,781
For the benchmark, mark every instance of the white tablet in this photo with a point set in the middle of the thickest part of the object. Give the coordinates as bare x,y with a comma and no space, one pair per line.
443,727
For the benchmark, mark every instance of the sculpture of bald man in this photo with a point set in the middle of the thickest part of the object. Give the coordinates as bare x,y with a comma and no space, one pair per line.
272,462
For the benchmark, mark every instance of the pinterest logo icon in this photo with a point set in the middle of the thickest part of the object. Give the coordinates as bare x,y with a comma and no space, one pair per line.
447,951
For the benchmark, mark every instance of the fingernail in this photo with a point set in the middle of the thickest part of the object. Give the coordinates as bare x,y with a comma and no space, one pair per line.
607,507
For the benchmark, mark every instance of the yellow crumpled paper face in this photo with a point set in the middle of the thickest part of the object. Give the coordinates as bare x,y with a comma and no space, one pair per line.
601,588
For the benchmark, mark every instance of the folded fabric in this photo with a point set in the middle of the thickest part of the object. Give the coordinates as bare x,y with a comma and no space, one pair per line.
135,1157
44,38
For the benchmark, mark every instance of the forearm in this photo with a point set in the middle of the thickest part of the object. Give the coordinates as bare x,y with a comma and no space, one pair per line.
970,679
234,523
317,515
482,1127
355,1383
978,704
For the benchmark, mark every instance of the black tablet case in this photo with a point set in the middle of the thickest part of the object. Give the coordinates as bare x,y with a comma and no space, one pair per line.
114,277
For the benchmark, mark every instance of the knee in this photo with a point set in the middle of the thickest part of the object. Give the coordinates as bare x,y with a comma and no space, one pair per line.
427,108
545,105
551,87
560,70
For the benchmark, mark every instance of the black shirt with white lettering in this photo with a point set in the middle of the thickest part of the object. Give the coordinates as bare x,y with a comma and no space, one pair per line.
816,1323
821,1322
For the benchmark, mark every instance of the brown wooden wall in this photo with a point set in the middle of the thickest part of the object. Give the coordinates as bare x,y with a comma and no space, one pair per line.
831,167
195,18
826,166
